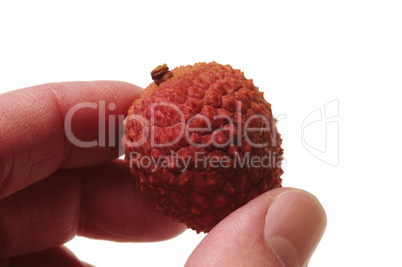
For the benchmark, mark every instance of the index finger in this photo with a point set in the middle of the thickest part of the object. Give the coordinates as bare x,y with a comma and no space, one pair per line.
45,127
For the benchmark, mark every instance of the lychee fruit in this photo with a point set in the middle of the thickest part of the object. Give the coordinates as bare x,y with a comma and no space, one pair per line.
201,141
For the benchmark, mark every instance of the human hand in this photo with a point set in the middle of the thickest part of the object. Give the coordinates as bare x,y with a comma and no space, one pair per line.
52,190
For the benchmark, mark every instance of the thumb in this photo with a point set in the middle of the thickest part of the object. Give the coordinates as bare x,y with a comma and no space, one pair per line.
282,227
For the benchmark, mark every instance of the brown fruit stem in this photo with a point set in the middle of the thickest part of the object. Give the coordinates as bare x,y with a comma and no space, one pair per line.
161,74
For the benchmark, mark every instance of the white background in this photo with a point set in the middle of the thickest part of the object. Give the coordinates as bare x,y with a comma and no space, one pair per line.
302,54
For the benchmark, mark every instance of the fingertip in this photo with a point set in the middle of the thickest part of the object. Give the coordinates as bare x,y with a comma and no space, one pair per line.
92,113
260,233
114,208
294,225
119,90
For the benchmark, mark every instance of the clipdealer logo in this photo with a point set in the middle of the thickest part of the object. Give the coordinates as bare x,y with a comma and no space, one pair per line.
322,124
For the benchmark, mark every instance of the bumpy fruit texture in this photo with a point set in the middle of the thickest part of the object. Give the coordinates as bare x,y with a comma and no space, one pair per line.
201,141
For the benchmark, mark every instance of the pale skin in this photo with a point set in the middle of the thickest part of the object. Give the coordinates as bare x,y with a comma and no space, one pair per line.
51,191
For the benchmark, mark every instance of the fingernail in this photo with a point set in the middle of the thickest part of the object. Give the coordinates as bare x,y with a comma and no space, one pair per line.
294,225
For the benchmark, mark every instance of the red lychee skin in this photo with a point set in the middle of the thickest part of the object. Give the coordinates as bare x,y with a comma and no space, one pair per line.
202,194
